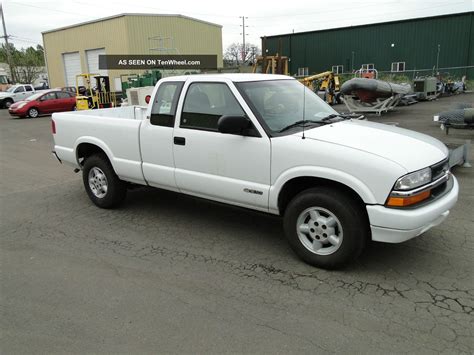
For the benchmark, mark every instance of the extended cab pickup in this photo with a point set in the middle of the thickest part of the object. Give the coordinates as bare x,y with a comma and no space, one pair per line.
267,143
15,93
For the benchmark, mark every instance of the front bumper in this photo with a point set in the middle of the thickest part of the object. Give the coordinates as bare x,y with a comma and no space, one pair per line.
17,112
391,225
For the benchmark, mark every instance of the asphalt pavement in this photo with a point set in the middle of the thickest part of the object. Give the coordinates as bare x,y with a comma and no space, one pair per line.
168,273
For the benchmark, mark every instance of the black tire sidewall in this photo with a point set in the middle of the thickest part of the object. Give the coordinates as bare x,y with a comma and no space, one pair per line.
350,214
116,189
7,103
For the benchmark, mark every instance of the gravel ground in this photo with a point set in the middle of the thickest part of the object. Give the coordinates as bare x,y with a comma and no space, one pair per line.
173,274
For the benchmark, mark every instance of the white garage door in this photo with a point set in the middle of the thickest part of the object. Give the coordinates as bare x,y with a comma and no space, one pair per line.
72,67
92,56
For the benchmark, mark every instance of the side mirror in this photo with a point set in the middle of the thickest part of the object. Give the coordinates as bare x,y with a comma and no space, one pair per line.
233,124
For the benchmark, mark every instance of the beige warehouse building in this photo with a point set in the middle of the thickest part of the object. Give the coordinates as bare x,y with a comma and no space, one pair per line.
75,49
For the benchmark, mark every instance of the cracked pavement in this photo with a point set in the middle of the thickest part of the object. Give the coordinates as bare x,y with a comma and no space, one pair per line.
170,273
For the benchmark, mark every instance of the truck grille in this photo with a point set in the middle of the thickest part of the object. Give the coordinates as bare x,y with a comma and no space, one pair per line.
439,169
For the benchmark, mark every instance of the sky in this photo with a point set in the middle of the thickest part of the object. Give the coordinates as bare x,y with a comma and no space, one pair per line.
26,19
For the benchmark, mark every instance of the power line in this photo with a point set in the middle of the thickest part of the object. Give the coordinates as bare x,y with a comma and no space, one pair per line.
361,20
49,9
23,39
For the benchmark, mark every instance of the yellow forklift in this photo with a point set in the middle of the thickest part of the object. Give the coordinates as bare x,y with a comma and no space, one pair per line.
271,64
94,96
325,82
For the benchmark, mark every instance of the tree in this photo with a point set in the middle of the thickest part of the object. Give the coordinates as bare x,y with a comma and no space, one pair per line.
27,63
234,55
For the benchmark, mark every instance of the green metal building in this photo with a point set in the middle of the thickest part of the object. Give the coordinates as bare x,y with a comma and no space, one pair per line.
414,47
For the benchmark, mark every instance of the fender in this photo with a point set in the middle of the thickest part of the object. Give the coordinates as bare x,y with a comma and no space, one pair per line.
97,142
318,172
127,170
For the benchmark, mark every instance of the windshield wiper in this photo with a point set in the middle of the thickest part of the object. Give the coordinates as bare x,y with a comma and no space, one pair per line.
297,123
344,116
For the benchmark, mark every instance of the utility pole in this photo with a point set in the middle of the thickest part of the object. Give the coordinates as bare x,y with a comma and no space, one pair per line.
244,51
7,46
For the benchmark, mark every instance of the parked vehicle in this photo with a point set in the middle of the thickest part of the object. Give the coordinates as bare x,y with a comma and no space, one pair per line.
15,93
42,86
82,89
42,103
268,143
4,80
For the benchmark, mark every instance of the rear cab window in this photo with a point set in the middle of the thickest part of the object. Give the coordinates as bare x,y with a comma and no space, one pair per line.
163,111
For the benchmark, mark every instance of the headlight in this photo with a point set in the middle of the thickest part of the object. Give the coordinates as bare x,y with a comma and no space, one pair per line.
21,104
413,180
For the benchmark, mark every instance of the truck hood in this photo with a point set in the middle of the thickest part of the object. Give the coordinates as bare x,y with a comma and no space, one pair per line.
4,94
411,150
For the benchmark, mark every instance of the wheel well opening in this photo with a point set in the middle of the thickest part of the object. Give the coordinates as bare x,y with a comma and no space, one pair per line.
294,186
85,150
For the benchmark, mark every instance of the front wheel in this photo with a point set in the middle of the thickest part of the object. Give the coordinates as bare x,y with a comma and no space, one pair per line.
33,113
326,227
102,185
7,103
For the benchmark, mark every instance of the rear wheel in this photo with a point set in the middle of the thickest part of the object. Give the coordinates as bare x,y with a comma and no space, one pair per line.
325,227
33,112
102,185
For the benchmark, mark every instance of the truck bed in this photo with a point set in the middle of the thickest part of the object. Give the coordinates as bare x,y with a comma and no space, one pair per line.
115,130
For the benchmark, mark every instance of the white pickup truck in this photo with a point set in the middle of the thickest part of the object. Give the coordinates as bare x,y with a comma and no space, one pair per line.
267,143
15,93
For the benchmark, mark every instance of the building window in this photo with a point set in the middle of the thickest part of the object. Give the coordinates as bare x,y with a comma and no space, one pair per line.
303,71
398,66
368,67
338,69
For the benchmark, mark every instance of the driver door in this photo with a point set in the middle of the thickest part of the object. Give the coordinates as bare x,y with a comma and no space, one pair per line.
47,102
225,167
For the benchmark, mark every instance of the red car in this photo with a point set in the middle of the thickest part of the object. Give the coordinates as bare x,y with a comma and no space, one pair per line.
44,102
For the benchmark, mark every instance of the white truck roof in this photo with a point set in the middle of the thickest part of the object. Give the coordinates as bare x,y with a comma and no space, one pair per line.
236,77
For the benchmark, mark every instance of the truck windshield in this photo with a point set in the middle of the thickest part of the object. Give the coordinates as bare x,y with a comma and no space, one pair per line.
280,103
12,89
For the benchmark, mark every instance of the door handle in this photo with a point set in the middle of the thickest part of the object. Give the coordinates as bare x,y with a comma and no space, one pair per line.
179,140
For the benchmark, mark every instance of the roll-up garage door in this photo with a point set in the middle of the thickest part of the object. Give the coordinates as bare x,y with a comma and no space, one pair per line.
92,56
72,67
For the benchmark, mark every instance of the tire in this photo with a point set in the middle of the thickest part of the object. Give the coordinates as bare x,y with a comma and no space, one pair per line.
33,112
333,236
7,103
105,189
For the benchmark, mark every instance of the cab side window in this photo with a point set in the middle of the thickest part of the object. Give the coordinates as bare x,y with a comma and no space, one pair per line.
19,89
163,111
205,103
48,96
28,88
63,95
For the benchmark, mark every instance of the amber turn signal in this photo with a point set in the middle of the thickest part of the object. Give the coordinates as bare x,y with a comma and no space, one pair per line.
400,201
